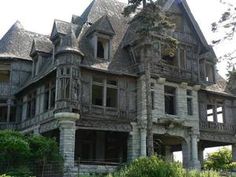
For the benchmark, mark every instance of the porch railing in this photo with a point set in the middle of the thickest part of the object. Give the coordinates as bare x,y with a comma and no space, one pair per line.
219,127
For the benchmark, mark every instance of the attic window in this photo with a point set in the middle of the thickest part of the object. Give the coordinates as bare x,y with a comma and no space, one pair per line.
103,48
209,73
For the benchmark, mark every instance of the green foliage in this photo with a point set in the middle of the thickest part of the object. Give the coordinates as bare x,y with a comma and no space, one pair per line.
19,153
43,149
153,167
219,160
14,149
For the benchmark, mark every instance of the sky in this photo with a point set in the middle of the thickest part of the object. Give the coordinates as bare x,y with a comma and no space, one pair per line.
38,16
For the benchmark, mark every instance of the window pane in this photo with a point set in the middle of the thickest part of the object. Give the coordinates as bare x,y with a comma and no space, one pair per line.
169,90
53,96
111,97
220,118
219,109
100,50
209,109
112,82
189,106
189,92
169,105
97,95
97,79
210,118
153,100
46,100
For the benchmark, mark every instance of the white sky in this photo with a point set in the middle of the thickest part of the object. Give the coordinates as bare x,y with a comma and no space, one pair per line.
38,16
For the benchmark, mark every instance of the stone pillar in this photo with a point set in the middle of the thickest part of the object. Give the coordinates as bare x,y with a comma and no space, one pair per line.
181,103
194,152
133,143
160,98
186,153
201,156
168,154
143,142
67,126
234,152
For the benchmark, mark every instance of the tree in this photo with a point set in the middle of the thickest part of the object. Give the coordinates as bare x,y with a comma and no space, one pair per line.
220,160
153,21
227,25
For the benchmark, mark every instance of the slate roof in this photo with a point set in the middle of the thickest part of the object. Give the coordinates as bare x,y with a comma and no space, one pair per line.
104,12
43,45
17,42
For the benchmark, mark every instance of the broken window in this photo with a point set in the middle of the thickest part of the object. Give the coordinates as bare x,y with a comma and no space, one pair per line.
209,73
103,48
31,105
189,102
104,92
219,114
210,113
49,96
4,73
170,100
64,83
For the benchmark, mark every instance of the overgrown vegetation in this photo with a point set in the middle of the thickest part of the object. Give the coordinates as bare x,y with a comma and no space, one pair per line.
19,154
156,167
220,160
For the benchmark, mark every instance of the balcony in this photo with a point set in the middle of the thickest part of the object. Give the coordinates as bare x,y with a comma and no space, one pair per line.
217,127
173,73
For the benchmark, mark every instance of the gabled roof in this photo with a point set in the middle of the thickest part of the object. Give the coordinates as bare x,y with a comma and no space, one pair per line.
61,28
17,42
102,25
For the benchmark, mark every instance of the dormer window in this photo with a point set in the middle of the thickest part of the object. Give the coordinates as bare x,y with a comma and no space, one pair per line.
206,71
103,48
100,49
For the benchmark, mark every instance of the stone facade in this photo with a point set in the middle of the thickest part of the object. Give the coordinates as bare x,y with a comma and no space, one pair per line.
85,85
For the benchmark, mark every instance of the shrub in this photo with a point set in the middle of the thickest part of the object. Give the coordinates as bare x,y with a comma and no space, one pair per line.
155,167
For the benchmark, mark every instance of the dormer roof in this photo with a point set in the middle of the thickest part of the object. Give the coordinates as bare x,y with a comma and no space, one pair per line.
41,46
102,25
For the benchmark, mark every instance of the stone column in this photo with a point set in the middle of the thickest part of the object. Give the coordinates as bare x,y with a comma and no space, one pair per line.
160,98
186,153
234,152
201,156
67,126
133,143
194,152
168,154
181,103
143,142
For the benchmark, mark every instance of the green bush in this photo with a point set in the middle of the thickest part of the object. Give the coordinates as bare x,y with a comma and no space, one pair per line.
155,167
22,155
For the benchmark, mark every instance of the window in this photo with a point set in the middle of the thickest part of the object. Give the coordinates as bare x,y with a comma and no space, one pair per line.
104,92
31,105
219,114
210,113
215,113
64,83
170,100
189,102
49,96
209,73
4,73
103,48
3,113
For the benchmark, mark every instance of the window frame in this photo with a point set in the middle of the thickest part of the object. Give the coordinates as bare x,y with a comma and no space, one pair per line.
189,94
105,85
174,99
